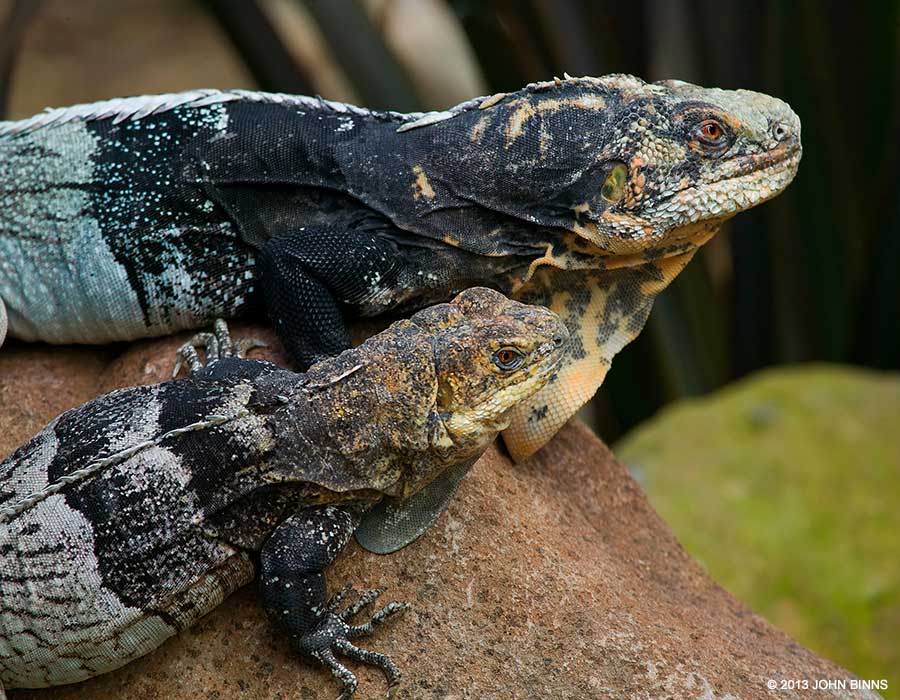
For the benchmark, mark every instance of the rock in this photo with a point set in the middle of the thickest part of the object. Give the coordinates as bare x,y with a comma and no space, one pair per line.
552,579
797,469
37,382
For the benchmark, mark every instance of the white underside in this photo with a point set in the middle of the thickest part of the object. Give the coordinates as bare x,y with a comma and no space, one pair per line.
59,281
71,590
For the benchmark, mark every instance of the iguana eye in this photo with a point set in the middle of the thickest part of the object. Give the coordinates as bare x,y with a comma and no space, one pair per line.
508,359
613,188
711,132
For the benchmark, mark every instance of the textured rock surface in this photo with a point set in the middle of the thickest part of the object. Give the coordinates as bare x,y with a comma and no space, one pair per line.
797,468
553,579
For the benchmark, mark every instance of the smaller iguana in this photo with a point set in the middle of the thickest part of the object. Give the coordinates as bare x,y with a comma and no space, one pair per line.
130,517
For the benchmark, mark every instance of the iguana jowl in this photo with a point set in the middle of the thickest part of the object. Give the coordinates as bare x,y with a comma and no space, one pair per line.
128,518
146,215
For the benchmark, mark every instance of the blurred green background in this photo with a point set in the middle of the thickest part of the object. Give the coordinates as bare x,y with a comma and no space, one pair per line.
813,276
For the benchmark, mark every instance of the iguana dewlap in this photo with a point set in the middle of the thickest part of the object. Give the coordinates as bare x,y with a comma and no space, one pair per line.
146,215
128,518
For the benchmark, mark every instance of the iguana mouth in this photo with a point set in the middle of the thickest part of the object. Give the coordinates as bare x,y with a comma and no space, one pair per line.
751,179
788,153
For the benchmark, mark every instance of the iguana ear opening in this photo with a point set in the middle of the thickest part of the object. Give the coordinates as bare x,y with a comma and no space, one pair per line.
394,523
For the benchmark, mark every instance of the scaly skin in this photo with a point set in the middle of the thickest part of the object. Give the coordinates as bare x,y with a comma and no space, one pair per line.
128,518
144,216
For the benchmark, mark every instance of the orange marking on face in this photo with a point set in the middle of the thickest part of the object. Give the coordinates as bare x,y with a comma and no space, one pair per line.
732,121
636,181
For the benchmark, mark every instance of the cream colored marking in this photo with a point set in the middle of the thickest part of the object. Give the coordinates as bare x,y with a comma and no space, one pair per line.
480,127
516,126
2,338
527,109
639,232
492,100
592,102
544,142
422,187
582,208
547,259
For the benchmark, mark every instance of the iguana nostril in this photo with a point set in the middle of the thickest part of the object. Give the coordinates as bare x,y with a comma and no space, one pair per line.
780,131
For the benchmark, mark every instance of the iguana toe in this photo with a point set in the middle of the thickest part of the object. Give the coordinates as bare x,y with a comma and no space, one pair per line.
226,347
217,345
245,345
187,353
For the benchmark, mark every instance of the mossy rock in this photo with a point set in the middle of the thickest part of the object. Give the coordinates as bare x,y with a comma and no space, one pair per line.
786,486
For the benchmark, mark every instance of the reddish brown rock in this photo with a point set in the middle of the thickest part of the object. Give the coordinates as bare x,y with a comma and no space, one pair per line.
552,579
37,382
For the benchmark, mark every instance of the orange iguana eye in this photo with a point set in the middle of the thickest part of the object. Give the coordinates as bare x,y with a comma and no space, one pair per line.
508,358
711,131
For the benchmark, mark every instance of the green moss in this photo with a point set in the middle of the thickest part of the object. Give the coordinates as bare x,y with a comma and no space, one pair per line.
786,487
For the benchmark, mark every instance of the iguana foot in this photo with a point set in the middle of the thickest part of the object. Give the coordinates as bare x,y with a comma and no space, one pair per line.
217,345
333,632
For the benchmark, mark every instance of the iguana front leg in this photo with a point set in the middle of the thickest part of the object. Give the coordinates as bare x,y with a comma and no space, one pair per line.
293,590
307,277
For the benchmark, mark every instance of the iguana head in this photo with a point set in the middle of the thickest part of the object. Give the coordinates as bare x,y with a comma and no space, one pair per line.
627,166
489,354
679,155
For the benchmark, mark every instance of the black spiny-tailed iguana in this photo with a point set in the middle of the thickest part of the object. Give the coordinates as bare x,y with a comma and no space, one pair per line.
146,215
127,519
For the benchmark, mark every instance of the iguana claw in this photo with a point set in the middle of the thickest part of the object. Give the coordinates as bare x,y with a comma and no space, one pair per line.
333,634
